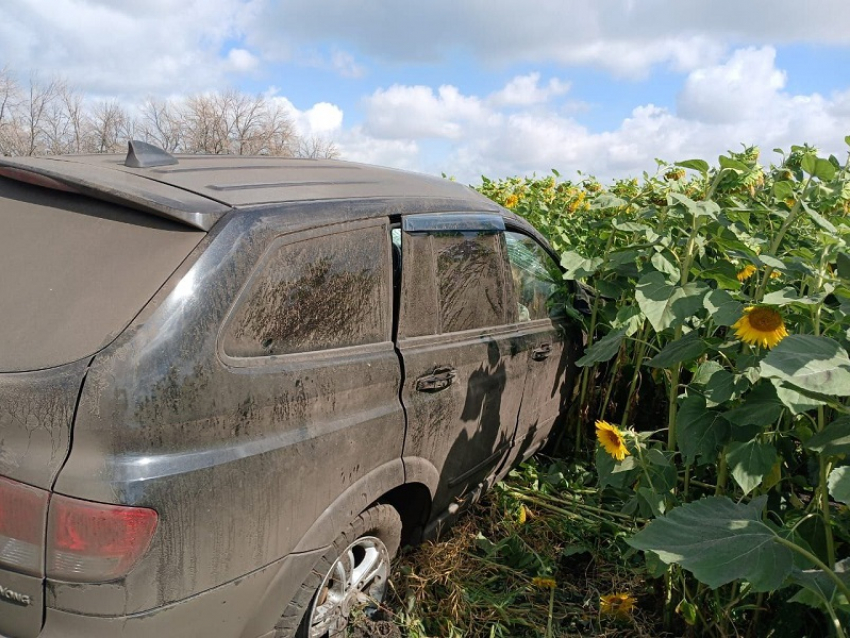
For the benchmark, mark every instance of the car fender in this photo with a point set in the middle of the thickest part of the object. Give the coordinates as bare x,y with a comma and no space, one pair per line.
421,470
356,498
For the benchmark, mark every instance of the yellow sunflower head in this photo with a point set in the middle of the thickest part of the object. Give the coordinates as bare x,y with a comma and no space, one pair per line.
611,440
543,582
760,325
511,201
619,605
748,271
521,515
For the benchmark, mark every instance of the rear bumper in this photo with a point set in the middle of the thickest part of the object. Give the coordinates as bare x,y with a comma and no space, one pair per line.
248,607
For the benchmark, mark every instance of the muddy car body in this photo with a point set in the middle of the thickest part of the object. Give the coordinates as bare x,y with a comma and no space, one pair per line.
221,374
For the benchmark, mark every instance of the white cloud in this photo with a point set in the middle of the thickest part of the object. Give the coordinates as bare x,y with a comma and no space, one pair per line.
344,63
242,60
739,100
525,90
109,47
624,37
740,89
322,120
357,146
419,112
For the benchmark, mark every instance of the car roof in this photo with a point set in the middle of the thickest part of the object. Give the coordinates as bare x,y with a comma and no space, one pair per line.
200,189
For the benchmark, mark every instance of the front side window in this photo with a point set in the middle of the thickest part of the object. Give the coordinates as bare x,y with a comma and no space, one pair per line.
316,294
470,285
534,272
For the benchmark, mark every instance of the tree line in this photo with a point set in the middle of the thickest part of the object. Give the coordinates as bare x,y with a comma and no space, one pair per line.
51,117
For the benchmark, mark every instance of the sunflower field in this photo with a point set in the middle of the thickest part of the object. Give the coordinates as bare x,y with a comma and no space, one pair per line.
705,463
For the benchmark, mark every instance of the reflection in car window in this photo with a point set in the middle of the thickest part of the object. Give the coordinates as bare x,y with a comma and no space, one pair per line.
532,269
316,294
469,280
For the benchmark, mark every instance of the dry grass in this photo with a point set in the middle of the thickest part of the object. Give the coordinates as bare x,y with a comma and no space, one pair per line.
480,579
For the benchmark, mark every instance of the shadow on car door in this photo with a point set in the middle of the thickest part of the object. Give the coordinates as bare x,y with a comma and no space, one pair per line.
463,360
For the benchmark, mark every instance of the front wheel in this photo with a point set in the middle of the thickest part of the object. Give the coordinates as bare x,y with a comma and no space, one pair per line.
352,576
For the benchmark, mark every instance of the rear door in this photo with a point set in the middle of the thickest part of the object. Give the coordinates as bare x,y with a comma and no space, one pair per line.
464,362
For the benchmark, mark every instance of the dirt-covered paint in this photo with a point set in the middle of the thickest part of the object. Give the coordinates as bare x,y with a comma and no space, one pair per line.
256,456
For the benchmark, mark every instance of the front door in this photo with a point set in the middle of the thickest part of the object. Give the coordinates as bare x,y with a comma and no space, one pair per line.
551,341
464,365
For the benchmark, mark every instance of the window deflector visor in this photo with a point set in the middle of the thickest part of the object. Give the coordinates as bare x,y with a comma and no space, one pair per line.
453,222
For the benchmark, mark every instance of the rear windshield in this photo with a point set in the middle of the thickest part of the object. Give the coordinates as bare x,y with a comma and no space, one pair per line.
74,272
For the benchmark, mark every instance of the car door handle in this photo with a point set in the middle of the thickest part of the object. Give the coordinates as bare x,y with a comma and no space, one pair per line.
541,353
439,379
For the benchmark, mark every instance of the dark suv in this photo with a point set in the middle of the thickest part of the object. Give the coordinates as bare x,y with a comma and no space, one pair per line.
232,387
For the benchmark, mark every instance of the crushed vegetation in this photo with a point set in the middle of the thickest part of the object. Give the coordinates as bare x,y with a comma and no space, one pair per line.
535,558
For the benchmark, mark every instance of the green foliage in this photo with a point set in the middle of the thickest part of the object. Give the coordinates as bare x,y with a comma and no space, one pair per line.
720,541
718,335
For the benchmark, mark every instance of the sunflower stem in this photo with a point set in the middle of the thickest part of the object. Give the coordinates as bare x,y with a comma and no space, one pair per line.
641,351
676,370
614,370
588,371
777,240
842,586
722,474
673,397
823,463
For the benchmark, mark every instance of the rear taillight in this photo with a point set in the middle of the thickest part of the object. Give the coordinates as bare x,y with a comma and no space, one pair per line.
91,542
23,512
85,541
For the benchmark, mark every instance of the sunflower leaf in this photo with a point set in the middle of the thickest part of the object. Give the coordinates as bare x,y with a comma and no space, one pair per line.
603,349
578,267
818,587
701,432
687,348
814,364
761,407
788,295
795,401
723,309
665,304
720,541
719,385
834,439
750,462
839,484
694,164
817,218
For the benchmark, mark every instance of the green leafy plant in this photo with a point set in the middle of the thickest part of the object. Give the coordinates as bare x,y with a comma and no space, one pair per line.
718,339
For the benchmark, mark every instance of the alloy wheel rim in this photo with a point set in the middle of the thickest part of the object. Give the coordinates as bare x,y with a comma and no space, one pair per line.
357,580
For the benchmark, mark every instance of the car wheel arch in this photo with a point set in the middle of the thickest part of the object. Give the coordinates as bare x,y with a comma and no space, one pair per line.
404,483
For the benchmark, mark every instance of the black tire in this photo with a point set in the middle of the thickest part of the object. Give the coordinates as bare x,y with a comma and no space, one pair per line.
381,522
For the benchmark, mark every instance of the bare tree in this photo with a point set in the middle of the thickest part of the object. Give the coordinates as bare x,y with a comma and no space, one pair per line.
162,124
38,102
10,96
53,118
317,148
78,120
236,124
110,126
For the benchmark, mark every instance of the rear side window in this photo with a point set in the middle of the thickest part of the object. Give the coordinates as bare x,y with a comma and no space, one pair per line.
315,294
534,272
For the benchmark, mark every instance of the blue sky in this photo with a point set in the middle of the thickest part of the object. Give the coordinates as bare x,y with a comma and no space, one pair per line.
471,87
